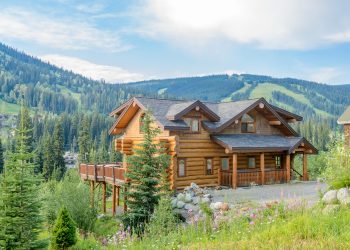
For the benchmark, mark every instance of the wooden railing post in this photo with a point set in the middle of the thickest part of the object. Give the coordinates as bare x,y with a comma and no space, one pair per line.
95,172
234,171
125,199
262,168
113,200
92,193
104,197
87,171
118,195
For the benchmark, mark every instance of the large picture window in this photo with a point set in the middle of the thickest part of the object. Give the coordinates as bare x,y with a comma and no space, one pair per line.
181,167
247,124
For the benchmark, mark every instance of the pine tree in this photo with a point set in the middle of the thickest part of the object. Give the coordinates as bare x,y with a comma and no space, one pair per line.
20,205
64,231
144,171
84,141
103,148
1,157
48,163
58,152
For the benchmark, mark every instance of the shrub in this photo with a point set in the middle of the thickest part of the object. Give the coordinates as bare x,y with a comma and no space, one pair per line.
337,171
64,232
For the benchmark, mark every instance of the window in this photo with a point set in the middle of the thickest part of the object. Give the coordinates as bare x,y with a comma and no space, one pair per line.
278,161
181,166
247,124
142,117
193,123
209,166
251,162
224,164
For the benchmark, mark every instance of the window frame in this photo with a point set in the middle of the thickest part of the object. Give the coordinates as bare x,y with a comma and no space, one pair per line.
206,166
280,161
190,124
228,163
178,167
248,161
247,125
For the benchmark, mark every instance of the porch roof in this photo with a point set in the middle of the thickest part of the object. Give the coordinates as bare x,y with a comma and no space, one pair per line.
255,142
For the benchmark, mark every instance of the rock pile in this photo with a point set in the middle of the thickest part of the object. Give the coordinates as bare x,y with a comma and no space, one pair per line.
188,202
334,198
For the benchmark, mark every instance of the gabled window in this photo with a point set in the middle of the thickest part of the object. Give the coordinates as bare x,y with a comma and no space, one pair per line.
181,167
193,123
247,124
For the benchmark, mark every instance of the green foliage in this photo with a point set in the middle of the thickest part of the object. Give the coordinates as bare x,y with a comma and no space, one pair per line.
1,157
163,220
20,205
106,226
337,161
59,166
144,171
84,141
72,193
64,231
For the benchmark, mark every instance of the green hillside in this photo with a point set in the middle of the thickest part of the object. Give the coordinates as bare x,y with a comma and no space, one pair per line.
306,98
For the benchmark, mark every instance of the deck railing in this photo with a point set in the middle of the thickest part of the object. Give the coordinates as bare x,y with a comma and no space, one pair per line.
111,173
246,177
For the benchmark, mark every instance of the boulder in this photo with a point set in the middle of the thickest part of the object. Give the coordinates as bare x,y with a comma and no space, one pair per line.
217,205
331,208
181,197
346,201
205,200
330,197
188,198
224,207
180,204
194,186
343,194
196,200
174,203
207,196
188,207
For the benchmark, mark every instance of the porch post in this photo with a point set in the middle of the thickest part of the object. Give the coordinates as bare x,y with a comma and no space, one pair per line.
125,199
219,175
234,171
118,195
104,197
305,173
262,168
288,167
113,199
92,193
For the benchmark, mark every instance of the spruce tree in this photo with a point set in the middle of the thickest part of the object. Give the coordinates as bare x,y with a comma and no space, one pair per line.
20,205
64,231
145,170
103,148
1,157
84,141
58,151
48,163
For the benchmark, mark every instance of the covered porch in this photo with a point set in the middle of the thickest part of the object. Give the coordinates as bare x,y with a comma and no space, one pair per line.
261,159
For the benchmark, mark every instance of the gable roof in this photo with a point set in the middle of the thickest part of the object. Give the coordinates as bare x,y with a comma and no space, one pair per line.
254,142
168,113
345,117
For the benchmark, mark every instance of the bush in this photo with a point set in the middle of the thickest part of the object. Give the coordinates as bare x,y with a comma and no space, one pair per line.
337,171
64,232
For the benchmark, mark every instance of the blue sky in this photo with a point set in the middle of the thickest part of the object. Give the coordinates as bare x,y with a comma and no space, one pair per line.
131,40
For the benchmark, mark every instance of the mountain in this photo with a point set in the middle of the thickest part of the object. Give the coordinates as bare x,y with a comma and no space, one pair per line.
309,99
48,88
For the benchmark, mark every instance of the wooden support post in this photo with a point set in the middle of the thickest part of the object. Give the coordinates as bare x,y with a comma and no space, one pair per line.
288,167
305,173
118,195
219,175
92,193
262,168
125,199
104,197
113,200
234,171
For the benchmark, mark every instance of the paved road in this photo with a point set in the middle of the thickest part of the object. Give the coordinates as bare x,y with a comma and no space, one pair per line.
307,191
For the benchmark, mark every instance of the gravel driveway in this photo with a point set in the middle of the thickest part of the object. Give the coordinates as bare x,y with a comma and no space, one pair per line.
307,191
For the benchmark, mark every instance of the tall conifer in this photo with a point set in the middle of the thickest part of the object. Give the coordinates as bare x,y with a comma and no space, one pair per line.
1,157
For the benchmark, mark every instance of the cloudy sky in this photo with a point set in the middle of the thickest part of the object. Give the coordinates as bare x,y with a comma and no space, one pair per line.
130,40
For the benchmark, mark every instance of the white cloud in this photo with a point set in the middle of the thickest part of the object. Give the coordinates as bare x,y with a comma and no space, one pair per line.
327,75
269,24
56,33
110,74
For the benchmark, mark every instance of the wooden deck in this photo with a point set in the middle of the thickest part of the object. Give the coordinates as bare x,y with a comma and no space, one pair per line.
246,177
109,173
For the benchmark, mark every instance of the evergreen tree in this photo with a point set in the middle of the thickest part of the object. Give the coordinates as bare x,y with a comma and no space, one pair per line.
1,157
20,205
84,141
103,148
144,171
58,151
48,163
64,231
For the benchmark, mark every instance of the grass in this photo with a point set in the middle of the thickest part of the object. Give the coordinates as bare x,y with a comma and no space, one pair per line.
265,90
68,92
9,108
288,229
241,90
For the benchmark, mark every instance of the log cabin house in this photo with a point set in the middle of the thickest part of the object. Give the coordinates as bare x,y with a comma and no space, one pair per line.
230,144
344,120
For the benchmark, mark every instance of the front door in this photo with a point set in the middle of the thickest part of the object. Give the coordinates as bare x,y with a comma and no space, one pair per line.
226,172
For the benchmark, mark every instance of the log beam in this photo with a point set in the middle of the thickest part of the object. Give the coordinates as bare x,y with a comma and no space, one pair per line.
113,200
275,123
262,168
118,195
305,172
125,199
234,171
288,167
